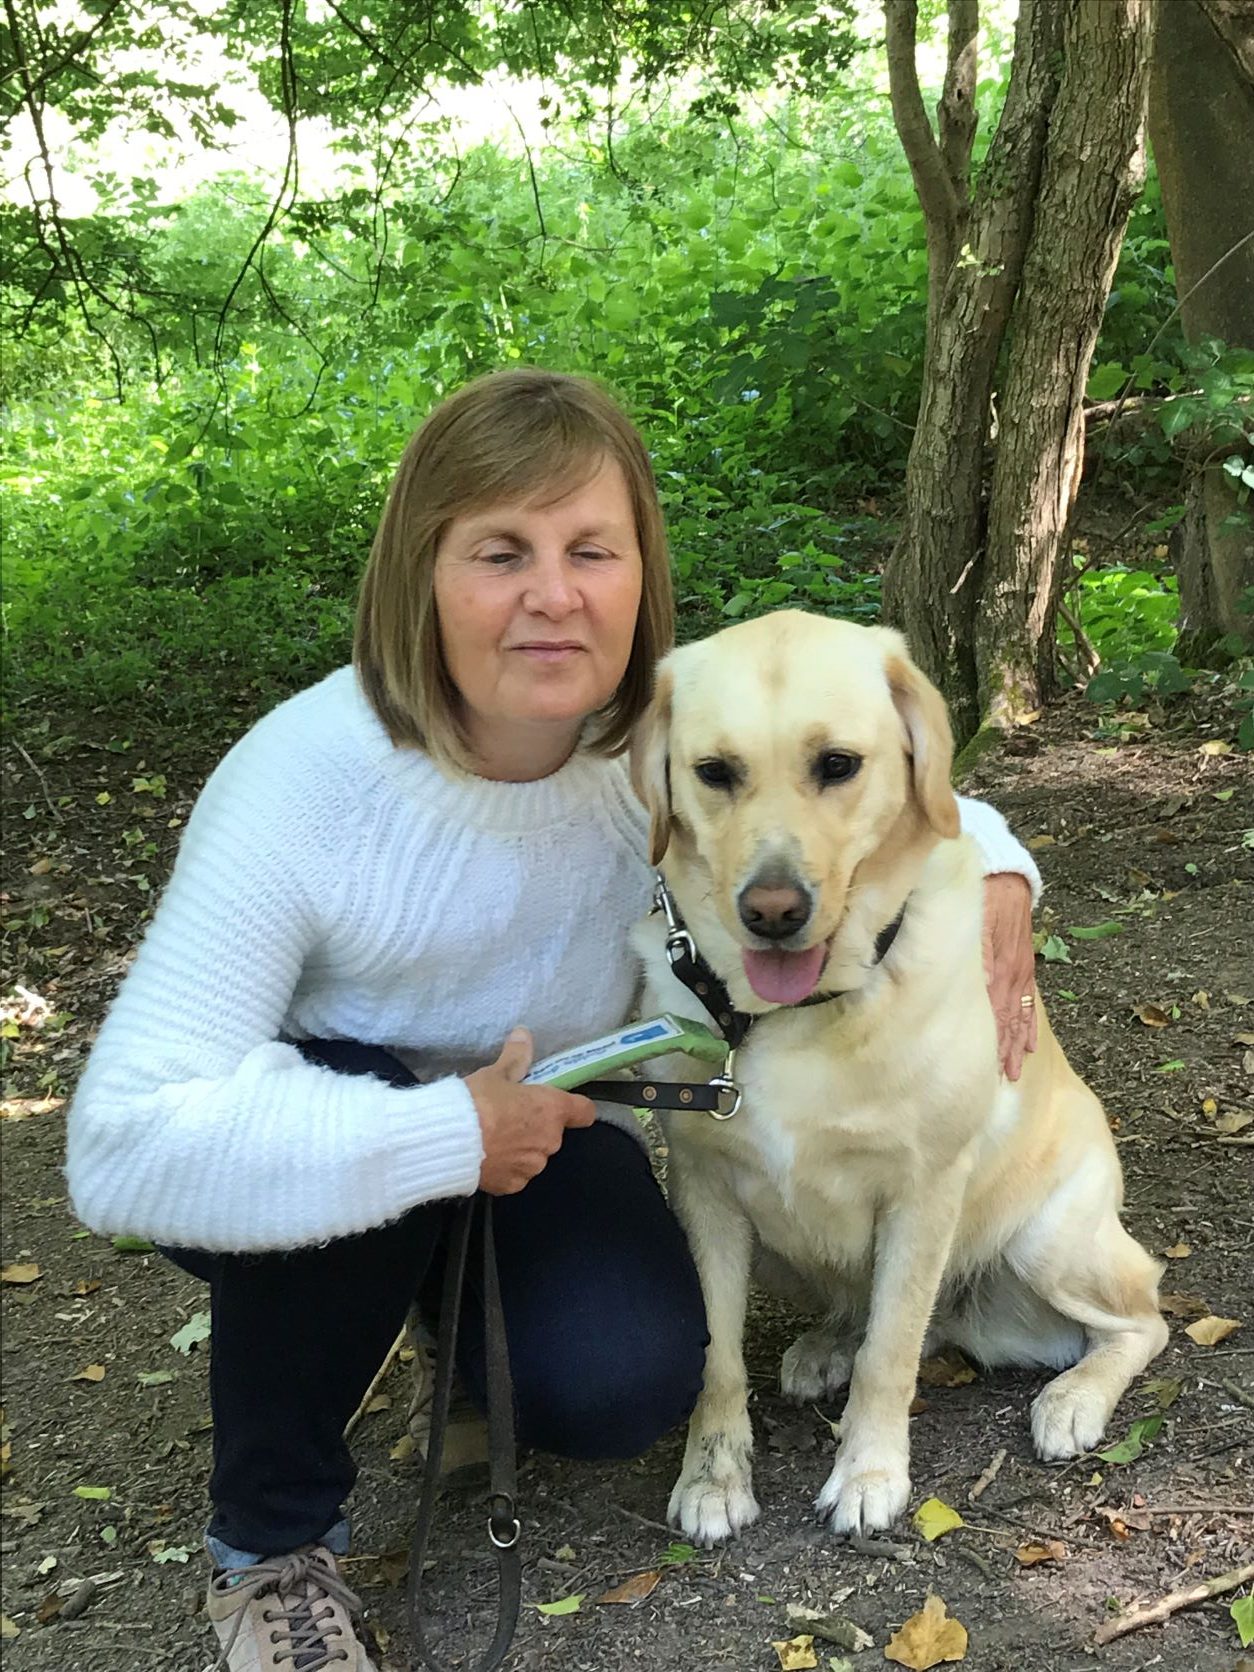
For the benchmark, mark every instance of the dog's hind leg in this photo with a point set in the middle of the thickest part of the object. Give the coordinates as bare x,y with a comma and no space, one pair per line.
1080,1260
820,1362
1116,1302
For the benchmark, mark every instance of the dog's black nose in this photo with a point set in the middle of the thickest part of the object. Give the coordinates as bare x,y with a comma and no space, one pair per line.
774,911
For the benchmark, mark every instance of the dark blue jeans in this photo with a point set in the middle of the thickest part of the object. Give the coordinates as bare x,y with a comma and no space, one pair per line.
603,1313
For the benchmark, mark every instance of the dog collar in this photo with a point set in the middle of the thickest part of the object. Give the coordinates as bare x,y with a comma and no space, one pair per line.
699,977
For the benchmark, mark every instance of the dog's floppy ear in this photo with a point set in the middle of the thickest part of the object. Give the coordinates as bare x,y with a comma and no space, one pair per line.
925,720
650,763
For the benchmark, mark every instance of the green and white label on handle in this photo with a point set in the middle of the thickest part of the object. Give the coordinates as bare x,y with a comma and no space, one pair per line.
655,1038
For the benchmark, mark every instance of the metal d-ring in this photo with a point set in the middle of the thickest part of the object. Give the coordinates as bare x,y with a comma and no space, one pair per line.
726,1083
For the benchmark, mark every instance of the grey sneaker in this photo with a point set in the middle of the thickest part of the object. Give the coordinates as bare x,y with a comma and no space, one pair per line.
286,1614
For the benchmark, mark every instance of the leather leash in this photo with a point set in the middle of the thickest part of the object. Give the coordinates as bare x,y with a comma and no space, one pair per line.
503,1525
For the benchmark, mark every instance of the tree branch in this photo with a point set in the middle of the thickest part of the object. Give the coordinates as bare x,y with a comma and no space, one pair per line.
927,167
955,113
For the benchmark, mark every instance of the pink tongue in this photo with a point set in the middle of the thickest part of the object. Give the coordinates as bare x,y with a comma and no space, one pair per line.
784,977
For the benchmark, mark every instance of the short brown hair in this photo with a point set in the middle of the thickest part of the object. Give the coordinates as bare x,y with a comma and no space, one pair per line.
504,437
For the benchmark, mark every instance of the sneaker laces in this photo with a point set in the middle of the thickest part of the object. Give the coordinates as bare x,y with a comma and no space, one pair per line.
302,1619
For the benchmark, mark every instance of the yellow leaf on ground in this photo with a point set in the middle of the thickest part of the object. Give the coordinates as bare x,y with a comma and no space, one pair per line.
796,1654
90,1373
1215,746
8,1627
928,1638
1177,1251
934,1517
1210,1331
1230,1125
403,1448
1048,1550
1043,841
20,1274
635,1589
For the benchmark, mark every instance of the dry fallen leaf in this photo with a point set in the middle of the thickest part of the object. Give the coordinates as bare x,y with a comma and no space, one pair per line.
1048,1550
1230,1125
29,1273
1210,1331
86,1285
380,1402
635,1589
796,1654
90,1373
1153,1015
1183,1306
928,1638
1177,1251
8,1627
946,1370
403,1449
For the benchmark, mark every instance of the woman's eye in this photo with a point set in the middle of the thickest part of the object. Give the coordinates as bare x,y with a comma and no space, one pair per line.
836,767
499,559
591,551
717,774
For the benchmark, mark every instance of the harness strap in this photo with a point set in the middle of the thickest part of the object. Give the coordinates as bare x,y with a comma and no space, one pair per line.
503,1525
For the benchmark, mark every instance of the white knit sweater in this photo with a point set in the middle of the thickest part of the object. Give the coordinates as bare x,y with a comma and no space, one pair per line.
330,885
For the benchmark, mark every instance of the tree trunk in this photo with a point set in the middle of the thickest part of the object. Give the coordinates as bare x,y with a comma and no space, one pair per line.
1202,132
1093,173
929,589
935,581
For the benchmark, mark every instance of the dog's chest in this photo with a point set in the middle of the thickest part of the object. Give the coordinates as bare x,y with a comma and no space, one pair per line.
808,1164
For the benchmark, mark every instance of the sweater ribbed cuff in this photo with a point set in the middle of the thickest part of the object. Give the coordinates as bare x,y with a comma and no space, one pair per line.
999,848
435,1144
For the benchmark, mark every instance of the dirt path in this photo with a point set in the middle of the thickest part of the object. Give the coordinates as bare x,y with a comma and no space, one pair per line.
1144,832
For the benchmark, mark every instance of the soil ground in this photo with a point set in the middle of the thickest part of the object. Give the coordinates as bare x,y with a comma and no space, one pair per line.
1133,825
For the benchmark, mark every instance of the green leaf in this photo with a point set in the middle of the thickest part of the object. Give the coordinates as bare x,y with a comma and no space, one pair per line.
675,1555
154,1378
97,1494
1171,1066
1106,381
563,1605
1140,1434
1242,1611
132,1245
1054,950
1097,931
195,1329
934,1518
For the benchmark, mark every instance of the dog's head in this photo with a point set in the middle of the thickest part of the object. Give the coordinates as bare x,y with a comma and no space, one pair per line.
796,772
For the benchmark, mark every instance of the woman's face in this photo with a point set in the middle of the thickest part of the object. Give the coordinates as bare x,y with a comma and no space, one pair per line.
537,604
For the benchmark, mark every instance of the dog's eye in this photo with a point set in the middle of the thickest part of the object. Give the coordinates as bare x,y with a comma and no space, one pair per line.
835,767
718,775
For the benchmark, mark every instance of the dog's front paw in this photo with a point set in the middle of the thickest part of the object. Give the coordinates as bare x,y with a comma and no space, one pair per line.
1069,1417
865,1492
817,1364
713,1497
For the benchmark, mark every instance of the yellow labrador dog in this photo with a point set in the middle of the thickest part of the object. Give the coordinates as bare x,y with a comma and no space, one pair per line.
797,773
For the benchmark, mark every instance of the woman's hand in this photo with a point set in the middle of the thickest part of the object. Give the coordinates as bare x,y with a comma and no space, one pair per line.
522,1126
1010,966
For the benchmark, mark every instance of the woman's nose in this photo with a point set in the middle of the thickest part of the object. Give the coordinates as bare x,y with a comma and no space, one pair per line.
551,588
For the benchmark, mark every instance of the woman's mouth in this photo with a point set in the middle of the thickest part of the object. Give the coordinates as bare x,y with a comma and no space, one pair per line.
543,650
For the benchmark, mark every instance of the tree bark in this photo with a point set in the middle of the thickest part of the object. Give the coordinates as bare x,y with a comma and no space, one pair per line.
1202,132
930,583
1093,172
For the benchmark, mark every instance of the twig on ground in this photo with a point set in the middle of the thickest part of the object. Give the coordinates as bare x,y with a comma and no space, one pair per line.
879,1547
989,1476
976,1560
1199,1509
1237,1392
43,784
1155,1612
370,1392
658,1526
